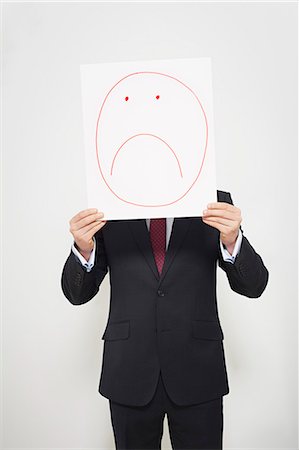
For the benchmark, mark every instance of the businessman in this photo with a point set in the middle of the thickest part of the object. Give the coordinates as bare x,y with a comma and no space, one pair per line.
163,341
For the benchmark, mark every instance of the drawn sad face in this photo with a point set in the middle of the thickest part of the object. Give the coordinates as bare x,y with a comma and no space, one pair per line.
151,139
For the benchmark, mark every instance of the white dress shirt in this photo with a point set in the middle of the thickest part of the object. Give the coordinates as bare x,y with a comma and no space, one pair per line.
169,222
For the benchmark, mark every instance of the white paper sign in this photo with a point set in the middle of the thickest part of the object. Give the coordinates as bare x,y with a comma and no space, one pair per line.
149,137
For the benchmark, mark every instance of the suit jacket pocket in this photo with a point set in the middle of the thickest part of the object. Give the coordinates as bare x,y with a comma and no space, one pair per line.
206,329
117,330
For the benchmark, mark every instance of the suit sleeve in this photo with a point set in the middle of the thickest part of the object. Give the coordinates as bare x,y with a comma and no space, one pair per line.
248,275
78,285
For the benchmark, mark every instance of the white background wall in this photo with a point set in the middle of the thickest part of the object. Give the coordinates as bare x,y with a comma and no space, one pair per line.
52,350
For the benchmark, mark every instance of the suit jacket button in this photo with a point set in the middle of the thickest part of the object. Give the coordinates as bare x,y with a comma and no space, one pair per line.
161,293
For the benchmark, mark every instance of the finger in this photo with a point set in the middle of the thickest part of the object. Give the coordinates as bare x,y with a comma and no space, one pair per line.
87,220
221,213
88,236
82,231
220,220
222,228
83,213
221,205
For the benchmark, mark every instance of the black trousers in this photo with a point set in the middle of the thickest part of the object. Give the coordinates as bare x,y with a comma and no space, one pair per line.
198,426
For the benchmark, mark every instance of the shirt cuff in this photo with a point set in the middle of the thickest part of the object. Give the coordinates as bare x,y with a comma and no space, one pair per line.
87,264
226,255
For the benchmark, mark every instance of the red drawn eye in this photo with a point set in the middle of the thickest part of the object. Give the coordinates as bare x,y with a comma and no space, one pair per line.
127,98
157,97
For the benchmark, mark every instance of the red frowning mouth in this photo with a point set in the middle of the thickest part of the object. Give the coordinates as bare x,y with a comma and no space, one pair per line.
154,136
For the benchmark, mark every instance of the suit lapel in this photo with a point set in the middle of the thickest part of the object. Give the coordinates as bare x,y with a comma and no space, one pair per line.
141,235
179,229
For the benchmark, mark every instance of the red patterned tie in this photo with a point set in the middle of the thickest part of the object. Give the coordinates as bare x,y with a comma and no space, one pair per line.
158,240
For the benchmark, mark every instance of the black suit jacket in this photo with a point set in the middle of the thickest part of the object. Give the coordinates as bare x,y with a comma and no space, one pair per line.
168,322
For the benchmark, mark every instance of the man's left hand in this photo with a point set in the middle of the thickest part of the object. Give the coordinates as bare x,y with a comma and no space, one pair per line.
227,219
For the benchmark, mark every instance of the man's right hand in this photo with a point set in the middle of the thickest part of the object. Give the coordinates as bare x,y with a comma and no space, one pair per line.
83,226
